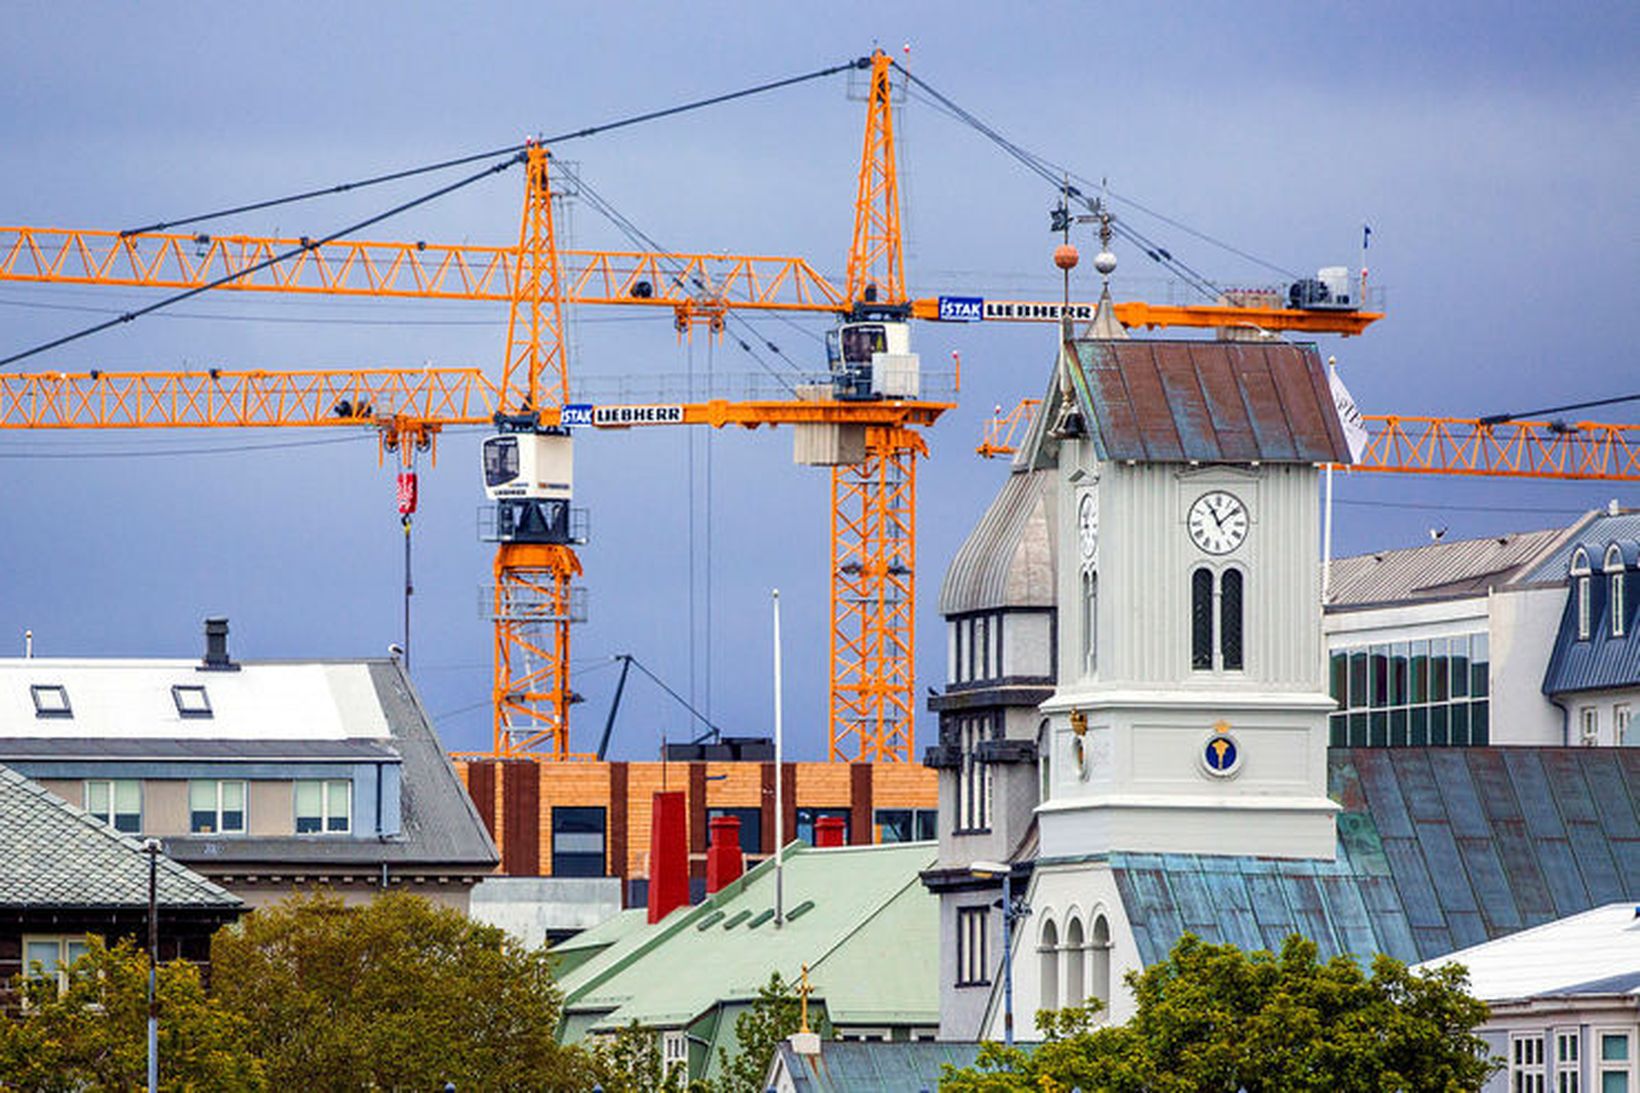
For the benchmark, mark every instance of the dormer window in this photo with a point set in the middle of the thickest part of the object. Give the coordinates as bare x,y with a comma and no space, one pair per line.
1583,594
50,700
1614,590
191,701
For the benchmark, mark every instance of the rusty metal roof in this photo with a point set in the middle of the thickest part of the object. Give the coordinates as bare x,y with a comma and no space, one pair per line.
1181,401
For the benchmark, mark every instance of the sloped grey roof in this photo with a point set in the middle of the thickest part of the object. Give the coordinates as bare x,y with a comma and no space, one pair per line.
53,854
1439,570
1438,849
128,749
1595,532
864,1066
1008,559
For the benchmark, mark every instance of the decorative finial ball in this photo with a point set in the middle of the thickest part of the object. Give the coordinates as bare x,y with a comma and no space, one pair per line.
1105,263
1065,256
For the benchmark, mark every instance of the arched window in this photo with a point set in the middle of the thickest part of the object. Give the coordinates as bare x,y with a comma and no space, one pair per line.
1230,629
1090,622
1099,944
1075,992
1048,951
1615,590
1581,592
1201,620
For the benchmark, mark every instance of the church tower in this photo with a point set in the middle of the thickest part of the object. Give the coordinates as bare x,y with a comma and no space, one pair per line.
1190,712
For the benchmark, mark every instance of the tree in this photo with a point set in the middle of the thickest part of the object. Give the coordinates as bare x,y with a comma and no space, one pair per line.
758,1031
1212,1017
629,1061
393,994
92,1037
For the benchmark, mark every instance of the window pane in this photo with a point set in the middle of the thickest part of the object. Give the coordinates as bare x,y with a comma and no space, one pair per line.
1378,675
1398,728
1379,731
1358,730
201,822
202,796
1438,726
1341,679
1230,633
1614,1082
1460,667
338,805
1419,734
128,822
1201,620
1479,724
96,799
128,796
75,950
1459,728
1420,671
1438,665
1338,732
1398,659
1358,680
309,800
928,823
44,953
893,825
1614,1047
233,796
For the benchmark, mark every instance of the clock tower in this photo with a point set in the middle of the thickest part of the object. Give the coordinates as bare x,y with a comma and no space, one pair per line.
1189,712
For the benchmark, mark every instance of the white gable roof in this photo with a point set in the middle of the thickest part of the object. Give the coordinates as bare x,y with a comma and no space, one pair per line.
1600,944
132,699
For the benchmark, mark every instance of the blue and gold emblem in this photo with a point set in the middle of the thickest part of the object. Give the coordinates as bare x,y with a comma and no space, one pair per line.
1221,755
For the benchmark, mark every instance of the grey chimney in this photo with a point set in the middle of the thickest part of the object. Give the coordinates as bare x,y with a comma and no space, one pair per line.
216,647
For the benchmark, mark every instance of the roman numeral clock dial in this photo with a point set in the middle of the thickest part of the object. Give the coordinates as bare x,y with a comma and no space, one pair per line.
1218,522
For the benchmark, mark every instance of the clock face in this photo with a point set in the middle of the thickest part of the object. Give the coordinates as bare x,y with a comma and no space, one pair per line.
1087,525
1218,522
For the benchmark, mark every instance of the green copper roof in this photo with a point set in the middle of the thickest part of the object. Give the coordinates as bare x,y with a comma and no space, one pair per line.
859,917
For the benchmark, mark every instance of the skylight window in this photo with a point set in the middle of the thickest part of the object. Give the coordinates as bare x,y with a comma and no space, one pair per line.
192,701
50,700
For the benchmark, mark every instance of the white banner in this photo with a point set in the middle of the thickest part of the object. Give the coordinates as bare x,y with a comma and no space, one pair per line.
1349,416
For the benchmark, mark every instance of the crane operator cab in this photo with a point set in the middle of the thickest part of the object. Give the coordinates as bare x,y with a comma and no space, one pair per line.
870,358
530,477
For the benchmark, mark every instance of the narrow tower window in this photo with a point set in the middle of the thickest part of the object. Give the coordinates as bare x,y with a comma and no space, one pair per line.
1201,620
1230,621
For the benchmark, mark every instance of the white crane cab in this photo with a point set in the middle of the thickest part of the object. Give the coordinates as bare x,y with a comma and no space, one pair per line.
532,466
870,358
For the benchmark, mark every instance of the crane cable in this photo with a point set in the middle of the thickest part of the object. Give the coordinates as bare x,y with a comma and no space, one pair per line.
1056,175
459,161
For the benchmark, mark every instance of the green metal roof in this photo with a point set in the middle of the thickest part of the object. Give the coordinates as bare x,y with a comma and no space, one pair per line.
859,917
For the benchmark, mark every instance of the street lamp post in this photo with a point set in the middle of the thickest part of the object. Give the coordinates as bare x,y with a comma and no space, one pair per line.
151,848
990,870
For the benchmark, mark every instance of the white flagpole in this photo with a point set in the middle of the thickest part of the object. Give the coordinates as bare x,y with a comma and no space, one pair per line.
779,776
1327,514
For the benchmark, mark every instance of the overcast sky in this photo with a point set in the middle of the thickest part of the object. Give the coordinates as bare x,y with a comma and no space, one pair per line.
1492,147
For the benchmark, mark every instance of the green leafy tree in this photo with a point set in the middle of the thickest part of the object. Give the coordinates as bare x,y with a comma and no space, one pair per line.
393,994
629,1061
775,1015
93,1036
1212,1017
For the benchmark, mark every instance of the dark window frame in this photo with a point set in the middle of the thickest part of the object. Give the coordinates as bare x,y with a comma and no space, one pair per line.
573,863
967,937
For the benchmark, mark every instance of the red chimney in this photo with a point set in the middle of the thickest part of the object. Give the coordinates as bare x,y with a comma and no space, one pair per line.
723,860
668,854
828,831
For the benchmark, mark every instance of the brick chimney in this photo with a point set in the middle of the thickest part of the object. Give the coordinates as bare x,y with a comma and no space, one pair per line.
668,854
828,831
723,857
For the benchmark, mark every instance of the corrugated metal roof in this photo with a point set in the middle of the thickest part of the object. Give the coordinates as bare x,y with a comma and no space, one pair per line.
1596,532
1461,567
1008,559
1176,401
1438,849
1599,662
53,854
850,1066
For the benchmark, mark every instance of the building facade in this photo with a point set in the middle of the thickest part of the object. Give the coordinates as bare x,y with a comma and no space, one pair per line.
267,777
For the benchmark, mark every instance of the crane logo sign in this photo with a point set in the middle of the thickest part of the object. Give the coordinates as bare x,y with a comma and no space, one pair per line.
620,417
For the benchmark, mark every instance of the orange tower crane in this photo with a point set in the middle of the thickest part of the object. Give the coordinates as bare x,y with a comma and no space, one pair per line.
873,539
